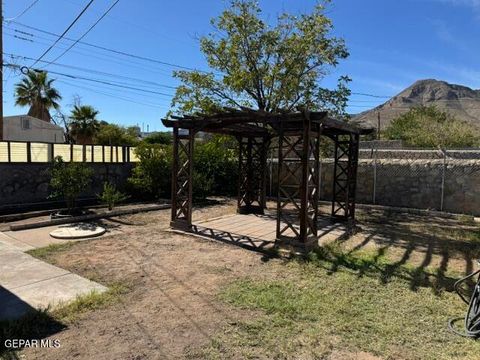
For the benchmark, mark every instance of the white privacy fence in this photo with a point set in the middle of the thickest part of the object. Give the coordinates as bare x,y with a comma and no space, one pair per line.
36,152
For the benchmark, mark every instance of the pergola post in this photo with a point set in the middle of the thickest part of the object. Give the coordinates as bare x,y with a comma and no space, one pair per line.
252,164
298,174
345,176
182,179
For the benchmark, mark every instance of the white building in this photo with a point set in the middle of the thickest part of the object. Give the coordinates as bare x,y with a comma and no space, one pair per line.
28,128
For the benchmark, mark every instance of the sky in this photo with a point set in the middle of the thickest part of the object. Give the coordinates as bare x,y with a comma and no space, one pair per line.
392,44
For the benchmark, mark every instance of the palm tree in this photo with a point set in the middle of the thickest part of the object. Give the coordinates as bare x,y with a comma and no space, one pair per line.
84,124
36,90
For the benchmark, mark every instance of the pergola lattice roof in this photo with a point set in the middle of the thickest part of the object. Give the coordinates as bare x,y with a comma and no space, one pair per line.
253,123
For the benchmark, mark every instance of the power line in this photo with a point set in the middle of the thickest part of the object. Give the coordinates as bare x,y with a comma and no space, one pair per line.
92,80
112,95
372,95
64,33
151,83
119,52
103,57
23,12
85,33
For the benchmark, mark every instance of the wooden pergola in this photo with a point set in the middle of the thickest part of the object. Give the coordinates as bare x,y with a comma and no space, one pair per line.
298,136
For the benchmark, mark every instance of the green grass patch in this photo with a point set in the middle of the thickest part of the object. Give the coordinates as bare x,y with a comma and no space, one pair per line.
341,301
48,252
94,300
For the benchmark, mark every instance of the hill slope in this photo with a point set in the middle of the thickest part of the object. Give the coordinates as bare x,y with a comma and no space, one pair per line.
460,101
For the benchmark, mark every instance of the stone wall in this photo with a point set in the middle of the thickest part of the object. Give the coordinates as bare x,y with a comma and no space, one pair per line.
29,182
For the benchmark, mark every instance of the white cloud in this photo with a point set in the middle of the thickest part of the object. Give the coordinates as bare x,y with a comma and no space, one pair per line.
472,4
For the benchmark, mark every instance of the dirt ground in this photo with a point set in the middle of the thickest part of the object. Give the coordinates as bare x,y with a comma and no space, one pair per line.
171,307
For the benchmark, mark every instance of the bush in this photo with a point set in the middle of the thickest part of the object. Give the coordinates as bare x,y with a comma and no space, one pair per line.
163,138
151,177
430,127
69,180
215,167
111,134
111,196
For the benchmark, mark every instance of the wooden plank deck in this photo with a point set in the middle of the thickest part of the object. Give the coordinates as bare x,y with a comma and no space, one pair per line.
258,231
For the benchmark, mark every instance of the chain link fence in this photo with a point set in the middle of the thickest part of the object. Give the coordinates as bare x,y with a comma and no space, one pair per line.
435,179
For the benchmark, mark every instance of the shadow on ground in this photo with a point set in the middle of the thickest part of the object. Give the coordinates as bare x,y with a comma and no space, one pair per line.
426,251
22,322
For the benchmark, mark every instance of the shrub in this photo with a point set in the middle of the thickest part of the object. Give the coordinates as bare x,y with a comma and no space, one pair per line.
151,177
69,180
215,167
111,134
111,196
426,126
163,138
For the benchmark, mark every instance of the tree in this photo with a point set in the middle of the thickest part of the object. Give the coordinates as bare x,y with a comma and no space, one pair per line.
84,124
151,177
215,164
69,180
36,90
112,134
426,126
269,68
164,138
111,196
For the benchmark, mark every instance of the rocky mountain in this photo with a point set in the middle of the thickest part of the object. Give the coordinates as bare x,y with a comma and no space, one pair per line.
460,101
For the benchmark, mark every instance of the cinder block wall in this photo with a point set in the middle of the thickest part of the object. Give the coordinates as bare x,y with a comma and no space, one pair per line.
29,182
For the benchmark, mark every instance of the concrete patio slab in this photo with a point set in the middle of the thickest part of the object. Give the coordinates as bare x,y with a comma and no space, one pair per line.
28,283
36,238
18,244
19,269
40,237
56,291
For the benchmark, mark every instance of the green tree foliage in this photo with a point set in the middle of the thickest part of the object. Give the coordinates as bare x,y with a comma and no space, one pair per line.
427,126
215,167
84,124
111,196
151,177
164,138
36,90
270,68
69,180
112,134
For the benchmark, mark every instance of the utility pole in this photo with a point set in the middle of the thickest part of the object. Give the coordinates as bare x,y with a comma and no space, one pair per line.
378,125
1,70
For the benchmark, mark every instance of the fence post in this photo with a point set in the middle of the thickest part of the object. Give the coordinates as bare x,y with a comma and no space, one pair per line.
84,153
271,174
374,195
111,153
71,152
103,153
93,152
320,160
29,152
9,151
444,152
50,155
